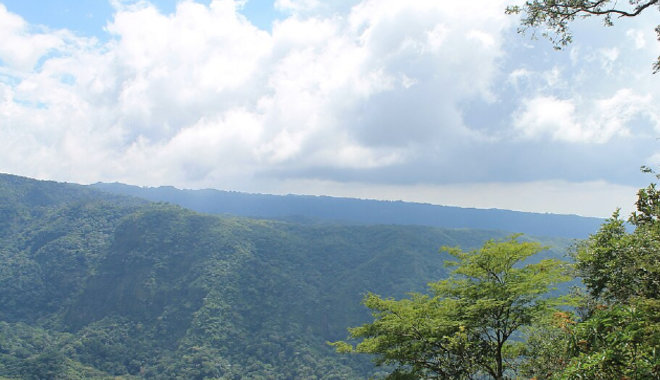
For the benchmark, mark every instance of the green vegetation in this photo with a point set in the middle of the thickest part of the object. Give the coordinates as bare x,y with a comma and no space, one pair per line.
98,286
616,331
102,286
464,330
493,316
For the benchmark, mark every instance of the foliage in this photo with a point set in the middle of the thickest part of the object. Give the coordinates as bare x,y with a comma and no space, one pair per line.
33,353
621,327
615,332
99,286
547,348
616,265
617,341
464,328
556,15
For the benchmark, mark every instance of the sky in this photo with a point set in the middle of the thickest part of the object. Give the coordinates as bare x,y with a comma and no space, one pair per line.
432,101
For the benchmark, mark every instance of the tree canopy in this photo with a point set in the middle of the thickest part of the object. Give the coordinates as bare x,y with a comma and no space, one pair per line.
556,16
463,329
615,331
620,322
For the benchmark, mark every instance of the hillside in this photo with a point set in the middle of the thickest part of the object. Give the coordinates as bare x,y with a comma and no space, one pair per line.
349,210
97,285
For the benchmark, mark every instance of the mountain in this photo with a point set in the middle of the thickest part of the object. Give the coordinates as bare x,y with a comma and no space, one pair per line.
99,286
348,210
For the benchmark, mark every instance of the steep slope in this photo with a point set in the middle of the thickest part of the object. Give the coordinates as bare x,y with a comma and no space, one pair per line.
22,199
306,208
94,287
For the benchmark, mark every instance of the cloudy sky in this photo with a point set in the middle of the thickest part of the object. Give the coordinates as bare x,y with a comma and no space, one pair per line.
434,101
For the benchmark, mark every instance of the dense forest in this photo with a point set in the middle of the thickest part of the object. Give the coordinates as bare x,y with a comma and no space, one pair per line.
499,315
96,285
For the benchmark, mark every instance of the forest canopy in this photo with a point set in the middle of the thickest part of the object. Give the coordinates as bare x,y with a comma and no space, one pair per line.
462,330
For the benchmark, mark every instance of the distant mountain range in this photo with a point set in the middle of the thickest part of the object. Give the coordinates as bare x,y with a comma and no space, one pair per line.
304,208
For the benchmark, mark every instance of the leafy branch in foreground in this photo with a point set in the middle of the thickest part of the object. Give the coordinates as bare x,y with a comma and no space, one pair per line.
556,15
464,329
615,332
620,330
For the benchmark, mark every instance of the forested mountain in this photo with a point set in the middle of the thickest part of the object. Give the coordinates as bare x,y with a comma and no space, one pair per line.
323,208
94,285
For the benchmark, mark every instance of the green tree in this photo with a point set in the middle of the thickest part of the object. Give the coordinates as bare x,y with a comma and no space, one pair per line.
615,331
556,15
546,349
47,365
618,266
619,332
464,329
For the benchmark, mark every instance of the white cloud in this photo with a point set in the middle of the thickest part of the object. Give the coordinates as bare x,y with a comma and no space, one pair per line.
297,5
610,54
638,38
321,90
377,88
21,49
608,58
598,121
518,75
548,115
552,77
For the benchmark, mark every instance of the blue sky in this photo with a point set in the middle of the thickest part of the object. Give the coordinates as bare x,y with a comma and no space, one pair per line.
90,17
421,101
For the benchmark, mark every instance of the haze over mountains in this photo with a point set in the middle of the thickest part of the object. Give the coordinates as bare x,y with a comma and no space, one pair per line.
95,285
350,210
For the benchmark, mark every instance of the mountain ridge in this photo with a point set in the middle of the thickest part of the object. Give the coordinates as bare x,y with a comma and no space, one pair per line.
312,208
